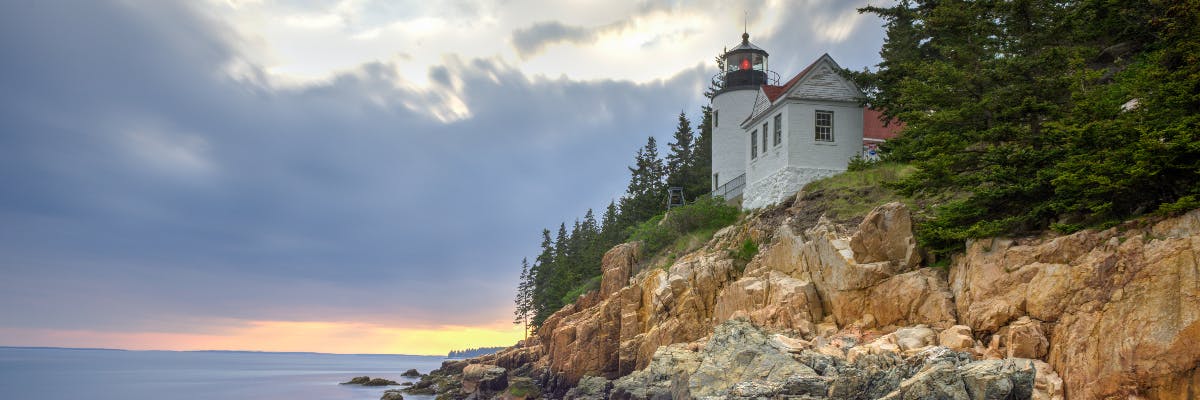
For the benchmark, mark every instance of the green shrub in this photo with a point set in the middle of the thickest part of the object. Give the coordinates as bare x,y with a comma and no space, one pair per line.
587,286
705,214
742,255
858,163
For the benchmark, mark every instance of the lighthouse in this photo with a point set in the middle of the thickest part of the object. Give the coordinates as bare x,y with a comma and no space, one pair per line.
736,87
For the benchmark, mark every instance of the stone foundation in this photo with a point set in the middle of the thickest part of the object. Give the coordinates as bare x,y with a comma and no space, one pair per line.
781,185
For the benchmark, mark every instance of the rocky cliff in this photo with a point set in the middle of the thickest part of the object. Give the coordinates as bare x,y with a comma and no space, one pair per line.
1106,314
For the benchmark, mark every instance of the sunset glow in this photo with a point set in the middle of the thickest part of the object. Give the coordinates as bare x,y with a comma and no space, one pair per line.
289,336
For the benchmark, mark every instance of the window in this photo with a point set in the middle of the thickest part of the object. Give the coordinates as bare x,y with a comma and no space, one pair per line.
824,126
753,144
716,118
764,137
778,129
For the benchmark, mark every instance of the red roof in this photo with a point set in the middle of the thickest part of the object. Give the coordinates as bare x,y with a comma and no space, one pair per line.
873,128
773,92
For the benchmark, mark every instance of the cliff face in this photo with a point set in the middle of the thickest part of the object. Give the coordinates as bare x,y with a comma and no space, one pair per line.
1114,313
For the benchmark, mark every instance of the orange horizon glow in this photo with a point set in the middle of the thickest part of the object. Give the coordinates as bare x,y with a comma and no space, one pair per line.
282,336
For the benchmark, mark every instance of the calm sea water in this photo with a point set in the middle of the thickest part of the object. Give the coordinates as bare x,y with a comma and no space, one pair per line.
52,374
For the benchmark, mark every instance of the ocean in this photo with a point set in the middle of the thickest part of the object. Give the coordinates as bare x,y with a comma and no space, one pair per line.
72,374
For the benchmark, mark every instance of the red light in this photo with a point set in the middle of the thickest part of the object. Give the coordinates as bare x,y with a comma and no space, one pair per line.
745,63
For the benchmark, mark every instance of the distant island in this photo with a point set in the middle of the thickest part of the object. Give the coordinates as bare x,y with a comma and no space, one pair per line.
474,352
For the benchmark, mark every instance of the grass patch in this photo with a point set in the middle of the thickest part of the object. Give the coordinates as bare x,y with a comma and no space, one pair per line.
592,284
682,226
852,194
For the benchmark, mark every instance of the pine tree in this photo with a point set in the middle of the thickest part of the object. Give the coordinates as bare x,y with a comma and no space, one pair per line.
524,301
679,160
646,195
611,228
544,300
699,177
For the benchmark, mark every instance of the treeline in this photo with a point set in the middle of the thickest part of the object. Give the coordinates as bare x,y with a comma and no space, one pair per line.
1035,114
473,352
569,262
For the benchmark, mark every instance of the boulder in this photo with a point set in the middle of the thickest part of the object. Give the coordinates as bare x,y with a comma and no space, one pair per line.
484,379
999,379
957,338
590,388
392,394
520,388
915,338
740,352
411,373
937,381
1046,384
1026,339
885,234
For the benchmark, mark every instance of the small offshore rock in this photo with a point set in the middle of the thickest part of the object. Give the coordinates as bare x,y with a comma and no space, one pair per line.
392,394
411,373
358,380
380,382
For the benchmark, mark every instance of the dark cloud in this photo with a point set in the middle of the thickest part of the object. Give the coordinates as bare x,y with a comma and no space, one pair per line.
142,187
532,40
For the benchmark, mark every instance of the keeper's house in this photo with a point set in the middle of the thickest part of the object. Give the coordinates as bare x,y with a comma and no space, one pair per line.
771,139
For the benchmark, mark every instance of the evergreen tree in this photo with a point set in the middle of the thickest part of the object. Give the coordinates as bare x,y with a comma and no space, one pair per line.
646,195
679,159
699,176
524,301
544,300
593,250
611,229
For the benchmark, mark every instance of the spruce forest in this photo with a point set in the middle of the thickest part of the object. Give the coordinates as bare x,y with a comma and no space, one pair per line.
1026,115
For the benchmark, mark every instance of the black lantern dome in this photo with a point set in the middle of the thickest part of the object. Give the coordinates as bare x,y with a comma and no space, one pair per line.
745,67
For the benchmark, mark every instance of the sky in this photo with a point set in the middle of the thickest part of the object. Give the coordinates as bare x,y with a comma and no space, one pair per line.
346,176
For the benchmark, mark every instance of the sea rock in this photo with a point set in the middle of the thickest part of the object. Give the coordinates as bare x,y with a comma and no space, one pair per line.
937,381
484,379
590,388
380,382
740,352
358,380
521,388
655,381
999,379
392,394
411,373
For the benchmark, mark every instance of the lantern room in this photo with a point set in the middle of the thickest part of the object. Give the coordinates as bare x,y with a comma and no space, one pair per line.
745,65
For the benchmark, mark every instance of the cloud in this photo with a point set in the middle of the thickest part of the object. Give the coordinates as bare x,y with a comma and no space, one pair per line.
531,40
144,188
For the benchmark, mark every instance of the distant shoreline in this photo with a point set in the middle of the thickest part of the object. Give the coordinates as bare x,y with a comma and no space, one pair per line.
217,351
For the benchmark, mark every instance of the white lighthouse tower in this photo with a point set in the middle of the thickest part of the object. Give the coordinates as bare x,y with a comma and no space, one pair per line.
737,86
